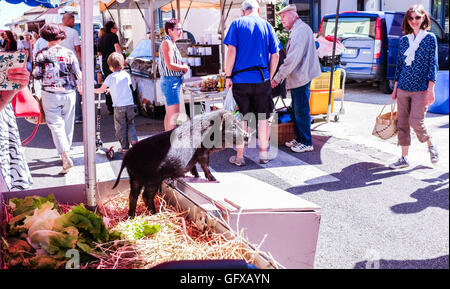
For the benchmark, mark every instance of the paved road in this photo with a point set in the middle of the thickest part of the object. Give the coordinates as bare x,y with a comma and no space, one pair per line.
371,216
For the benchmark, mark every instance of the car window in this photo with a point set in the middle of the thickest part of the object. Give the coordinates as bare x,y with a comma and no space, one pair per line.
394,24
349,27
436,30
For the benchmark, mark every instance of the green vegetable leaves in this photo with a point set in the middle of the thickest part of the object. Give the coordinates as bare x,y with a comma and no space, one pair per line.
37,221
137,228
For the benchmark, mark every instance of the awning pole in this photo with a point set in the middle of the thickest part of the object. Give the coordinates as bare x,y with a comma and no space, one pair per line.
143,17
178,10
152,27
119,24
222,34
87,67
333,55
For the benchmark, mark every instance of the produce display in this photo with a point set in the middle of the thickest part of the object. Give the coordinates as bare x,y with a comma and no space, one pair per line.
209,84
38,232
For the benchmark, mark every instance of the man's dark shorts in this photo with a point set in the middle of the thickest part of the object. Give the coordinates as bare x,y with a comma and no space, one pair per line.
254,98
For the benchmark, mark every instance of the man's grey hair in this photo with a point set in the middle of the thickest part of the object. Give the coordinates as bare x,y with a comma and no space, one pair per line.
250,5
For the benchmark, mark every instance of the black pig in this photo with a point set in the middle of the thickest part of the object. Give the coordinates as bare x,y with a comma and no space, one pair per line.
173,153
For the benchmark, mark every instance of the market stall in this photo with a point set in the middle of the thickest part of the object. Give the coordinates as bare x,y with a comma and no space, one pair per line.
204,207
204,22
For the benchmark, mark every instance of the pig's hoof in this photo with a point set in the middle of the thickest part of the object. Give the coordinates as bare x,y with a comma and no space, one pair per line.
211,178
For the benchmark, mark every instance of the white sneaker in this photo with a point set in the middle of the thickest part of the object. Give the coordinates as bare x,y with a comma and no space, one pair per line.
301,148
291,143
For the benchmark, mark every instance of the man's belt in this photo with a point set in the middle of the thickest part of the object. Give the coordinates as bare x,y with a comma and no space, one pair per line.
253,68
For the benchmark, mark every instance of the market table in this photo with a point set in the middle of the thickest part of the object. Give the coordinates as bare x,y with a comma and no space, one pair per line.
205,97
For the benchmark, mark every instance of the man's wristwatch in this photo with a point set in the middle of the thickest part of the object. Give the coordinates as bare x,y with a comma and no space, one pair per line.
228,77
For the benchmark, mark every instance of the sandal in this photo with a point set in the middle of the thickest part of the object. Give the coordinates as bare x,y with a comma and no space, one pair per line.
67,164
239,162
264,158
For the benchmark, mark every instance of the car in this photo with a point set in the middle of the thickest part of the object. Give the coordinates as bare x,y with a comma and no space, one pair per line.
371,40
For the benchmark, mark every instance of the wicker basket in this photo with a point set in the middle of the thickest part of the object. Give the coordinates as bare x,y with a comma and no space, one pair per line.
285,132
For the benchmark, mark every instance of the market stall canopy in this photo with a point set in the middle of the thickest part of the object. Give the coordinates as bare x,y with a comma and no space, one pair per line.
197,4
194,4
166,5
128,4
33,3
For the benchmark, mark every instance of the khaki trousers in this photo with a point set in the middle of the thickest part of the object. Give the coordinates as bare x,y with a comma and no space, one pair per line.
411,108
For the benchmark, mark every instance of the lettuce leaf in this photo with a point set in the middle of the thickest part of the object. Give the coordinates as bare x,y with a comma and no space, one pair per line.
135,229
27,205
90,225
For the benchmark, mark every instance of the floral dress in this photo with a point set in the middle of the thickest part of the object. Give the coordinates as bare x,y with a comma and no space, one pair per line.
13,166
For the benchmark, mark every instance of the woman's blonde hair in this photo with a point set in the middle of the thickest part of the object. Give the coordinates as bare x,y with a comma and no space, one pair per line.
101,32
116,61
419,10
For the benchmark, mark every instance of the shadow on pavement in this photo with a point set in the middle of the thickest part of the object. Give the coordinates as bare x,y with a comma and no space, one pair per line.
38,164
435,195
219,161
359,175
436,263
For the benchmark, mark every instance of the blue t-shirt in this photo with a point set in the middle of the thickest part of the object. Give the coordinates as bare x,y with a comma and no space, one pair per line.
254,39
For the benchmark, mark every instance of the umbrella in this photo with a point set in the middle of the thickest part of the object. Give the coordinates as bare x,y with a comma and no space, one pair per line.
34,3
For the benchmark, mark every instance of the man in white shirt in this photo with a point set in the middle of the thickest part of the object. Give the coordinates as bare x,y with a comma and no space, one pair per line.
72,42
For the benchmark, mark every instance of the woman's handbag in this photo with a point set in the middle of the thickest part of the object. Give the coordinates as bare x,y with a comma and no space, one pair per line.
26,105
386,124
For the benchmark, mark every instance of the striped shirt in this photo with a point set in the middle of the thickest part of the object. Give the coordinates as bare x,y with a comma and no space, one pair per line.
163,69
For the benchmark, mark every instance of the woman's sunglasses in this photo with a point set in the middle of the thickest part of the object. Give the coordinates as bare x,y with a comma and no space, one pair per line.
412,18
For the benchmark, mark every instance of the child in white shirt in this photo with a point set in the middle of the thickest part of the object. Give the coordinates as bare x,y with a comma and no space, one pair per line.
118,84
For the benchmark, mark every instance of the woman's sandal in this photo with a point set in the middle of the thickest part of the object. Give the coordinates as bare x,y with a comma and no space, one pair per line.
67,164
239,162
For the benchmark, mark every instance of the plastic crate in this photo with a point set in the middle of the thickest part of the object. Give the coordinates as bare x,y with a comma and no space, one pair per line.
322,82
318,100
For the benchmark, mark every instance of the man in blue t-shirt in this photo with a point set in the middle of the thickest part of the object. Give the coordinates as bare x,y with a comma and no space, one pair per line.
252,59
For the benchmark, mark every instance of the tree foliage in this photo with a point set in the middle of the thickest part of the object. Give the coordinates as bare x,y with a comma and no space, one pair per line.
282,34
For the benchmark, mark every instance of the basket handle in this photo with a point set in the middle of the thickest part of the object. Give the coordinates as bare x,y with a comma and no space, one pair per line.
393,104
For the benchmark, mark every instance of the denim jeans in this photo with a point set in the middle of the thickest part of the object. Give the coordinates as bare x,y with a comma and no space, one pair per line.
124,125
301,114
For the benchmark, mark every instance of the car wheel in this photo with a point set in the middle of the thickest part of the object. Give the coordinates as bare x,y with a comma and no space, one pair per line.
387,86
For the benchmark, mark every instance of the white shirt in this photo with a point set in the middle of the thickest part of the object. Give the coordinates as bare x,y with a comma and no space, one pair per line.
40,44
72,39
119,83
20,45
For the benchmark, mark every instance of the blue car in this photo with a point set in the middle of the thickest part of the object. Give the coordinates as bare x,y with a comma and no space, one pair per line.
371,39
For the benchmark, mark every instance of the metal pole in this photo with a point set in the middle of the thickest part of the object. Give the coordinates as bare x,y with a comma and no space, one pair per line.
332,61
178,10
151,5
87,67
222,34
119,23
